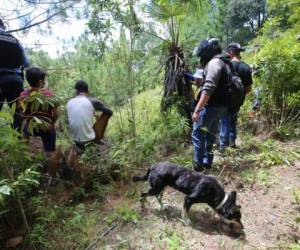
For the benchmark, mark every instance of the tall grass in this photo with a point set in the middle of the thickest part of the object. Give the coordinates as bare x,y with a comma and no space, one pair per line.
153,129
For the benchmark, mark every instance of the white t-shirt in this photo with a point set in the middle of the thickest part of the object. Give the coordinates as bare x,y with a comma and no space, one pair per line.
80,115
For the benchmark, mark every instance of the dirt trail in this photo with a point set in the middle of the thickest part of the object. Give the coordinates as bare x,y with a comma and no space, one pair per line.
268,216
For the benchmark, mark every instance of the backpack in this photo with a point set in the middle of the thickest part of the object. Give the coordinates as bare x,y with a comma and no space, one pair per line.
11,52
235,87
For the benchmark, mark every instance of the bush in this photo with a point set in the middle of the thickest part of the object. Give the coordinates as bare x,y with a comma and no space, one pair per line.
278,62
17,179
152,129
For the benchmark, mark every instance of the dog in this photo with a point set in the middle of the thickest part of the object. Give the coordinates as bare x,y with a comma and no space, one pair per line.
199,188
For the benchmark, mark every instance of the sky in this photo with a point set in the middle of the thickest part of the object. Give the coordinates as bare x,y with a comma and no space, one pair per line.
63,34
59,41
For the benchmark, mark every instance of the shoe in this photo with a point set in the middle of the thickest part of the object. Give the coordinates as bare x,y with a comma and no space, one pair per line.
198,167
222,150
207,166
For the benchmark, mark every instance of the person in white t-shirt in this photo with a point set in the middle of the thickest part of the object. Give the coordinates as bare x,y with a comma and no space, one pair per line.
81,111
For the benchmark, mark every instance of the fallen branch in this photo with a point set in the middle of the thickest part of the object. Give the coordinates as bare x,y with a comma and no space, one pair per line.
101,236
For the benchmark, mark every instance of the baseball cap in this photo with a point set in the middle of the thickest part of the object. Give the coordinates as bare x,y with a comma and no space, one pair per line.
198,74
235,46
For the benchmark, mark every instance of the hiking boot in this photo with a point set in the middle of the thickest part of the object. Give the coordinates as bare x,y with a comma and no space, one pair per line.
222,150
198,167
207,166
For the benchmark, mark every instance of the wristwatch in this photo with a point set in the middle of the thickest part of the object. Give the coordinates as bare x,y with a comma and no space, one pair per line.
197,110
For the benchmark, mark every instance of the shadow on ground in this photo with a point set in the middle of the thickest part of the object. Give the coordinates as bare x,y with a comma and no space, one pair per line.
205,221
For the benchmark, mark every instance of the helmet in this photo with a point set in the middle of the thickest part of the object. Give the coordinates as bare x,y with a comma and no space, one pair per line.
207,49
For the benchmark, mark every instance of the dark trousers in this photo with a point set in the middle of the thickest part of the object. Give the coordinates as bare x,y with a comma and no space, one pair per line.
228,131
11,85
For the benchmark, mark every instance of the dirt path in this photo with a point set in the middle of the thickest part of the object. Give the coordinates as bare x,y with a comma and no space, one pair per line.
268,217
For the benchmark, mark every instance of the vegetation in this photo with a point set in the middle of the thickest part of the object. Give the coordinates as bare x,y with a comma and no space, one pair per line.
133,55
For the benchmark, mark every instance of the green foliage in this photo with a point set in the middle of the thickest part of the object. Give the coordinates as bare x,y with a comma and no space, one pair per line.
296,196
123,213
16,170
278,61
173,241
17,175
255,157
35,103
294,246
72,222
153,128
245,18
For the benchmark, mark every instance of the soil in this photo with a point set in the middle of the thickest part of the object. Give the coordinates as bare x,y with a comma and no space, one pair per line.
268,215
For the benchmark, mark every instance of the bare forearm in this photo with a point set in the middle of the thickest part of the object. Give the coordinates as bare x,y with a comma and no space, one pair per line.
203,100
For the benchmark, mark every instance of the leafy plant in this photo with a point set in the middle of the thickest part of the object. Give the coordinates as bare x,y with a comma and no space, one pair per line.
278,63
17,172
296,196
173,242
123,213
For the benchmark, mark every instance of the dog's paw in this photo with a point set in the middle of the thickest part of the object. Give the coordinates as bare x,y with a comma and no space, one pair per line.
143,211
186,221
185,218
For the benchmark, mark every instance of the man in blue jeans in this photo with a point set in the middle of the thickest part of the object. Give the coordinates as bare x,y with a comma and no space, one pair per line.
11,78
228,129
212,103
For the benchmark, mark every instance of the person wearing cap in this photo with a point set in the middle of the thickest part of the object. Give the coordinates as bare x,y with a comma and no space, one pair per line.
80,111
197,77
12,60
228,128
211,103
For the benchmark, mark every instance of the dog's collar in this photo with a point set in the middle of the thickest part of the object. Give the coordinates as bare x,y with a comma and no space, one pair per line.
222,202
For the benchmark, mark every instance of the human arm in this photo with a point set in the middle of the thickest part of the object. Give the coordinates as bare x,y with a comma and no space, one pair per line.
203,100
189,76
213,74
99,106
55,114
246,76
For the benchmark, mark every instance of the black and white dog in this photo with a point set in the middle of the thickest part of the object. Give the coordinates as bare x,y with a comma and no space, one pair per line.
199,188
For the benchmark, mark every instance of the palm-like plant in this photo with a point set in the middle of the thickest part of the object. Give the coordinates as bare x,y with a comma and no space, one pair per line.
177,89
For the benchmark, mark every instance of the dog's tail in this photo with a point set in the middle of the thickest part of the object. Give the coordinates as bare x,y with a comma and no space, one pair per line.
142,178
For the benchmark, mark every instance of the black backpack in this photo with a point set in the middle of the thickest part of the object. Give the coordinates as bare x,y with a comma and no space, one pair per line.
11,52
235,87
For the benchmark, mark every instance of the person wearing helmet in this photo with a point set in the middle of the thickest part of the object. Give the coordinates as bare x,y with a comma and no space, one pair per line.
12,60
211,103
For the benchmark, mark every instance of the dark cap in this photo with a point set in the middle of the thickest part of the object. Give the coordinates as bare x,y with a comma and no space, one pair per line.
235,46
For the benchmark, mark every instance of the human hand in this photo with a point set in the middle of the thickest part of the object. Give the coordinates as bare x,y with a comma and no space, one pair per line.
195,116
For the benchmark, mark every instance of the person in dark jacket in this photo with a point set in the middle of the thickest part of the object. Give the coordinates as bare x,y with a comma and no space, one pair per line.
228,129
211,105
12,60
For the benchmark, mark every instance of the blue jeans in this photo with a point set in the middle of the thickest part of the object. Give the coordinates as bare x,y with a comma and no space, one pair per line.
204,134
228,129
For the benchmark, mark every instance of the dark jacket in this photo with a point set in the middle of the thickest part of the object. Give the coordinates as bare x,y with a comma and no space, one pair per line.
12,54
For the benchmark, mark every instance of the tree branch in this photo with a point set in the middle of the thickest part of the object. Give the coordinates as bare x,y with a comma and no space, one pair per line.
34,24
